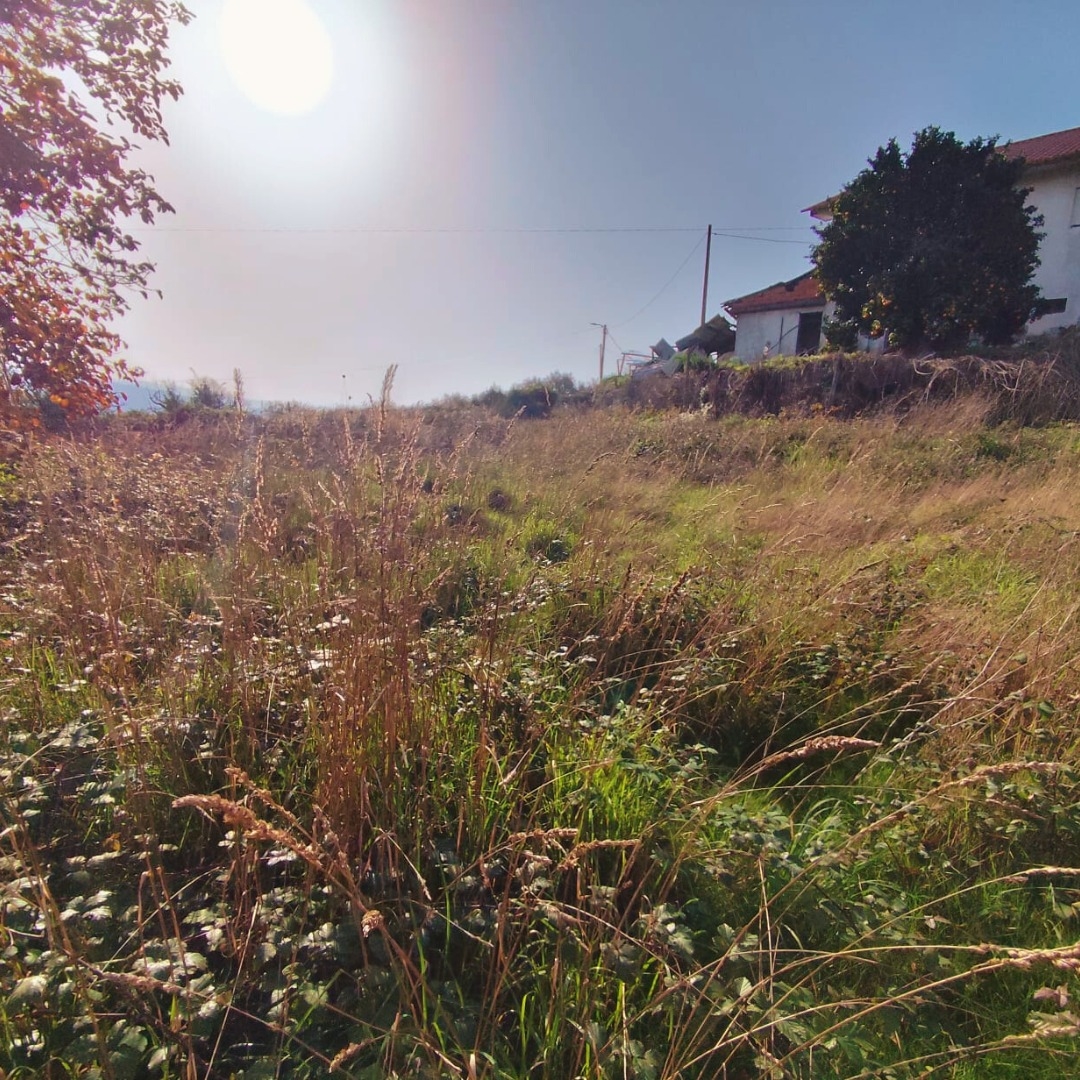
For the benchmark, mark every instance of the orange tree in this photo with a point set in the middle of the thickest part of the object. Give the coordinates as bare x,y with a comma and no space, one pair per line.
933,247
80,82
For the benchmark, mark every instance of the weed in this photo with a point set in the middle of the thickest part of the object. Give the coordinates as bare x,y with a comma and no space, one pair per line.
721,748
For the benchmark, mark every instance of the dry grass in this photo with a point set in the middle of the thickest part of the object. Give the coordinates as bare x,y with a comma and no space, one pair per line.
644,744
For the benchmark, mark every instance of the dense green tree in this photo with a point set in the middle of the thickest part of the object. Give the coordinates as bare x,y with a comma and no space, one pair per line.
80,81
933,247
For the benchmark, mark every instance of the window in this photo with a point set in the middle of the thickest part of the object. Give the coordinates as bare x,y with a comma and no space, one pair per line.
809,336
1050,307
1076,209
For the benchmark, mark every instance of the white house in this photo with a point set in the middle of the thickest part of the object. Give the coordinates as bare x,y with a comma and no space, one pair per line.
782,320
785,319
1052,171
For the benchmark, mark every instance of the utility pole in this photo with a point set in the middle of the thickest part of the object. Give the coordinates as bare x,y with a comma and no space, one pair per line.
603,345
705,284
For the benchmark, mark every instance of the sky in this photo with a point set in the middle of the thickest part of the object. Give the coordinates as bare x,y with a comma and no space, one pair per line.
463,188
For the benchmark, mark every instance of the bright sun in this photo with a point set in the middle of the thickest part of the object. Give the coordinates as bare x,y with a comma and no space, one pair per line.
278,52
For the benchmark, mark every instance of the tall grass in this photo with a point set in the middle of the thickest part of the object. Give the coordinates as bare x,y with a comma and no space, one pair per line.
390,744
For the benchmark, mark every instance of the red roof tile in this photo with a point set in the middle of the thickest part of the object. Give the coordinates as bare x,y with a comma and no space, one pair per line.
802,291
1045,149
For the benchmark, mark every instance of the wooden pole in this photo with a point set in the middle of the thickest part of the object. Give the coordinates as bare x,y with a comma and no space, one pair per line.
705,284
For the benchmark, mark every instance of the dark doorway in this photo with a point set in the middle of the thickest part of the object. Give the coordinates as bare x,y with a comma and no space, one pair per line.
809,337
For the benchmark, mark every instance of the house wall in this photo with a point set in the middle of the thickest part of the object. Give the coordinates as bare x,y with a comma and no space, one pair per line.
760,328
1054,195
773,329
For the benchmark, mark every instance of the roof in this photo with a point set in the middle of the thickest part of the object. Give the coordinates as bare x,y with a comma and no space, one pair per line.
717,335
800,292
1042,150
1046,149
821,210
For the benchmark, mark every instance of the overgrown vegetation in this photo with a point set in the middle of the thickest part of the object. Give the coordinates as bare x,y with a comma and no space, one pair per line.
533,398
204,394
1035,382
438,744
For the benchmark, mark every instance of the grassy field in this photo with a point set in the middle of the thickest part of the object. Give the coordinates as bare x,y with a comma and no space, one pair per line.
618,743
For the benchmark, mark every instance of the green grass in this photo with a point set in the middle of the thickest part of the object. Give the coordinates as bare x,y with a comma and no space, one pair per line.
604,746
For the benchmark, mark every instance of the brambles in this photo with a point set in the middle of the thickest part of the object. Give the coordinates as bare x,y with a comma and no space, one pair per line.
770,771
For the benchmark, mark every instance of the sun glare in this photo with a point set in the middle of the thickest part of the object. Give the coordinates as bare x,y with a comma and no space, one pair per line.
278,52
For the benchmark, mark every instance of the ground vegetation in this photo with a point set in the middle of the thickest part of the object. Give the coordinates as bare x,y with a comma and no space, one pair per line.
640,743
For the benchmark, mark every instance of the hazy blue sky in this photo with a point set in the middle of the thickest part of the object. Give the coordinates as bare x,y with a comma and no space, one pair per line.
407,217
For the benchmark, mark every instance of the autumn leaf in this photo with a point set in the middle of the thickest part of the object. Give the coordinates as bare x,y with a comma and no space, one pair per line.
66,175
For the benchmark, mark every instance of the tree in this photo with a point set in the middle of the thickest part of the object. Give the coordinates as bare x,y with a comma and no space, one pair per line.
79,80
933,247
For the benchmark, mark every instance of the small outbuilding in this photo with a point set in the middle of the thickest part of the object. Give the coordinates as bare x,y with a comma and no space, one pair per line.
783,320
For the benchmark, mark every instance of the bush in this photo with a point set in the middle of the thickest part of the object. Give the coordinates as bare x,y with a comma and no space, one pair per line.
207,395
534,398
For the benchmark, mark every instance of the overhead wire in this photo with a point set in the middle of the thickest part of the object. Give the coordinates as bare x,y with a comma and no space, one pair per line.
617,345
693,252
417,229
761,239
667,284
734,232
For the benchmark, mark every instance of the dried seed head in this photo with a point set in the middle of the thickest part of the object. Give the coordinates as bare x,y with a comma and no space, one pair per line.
372,922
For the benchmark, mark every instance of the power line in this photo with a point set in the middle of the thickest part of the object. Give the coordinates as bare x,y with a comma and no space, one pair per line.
664,288
734,232
761,239
422,230
761,228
